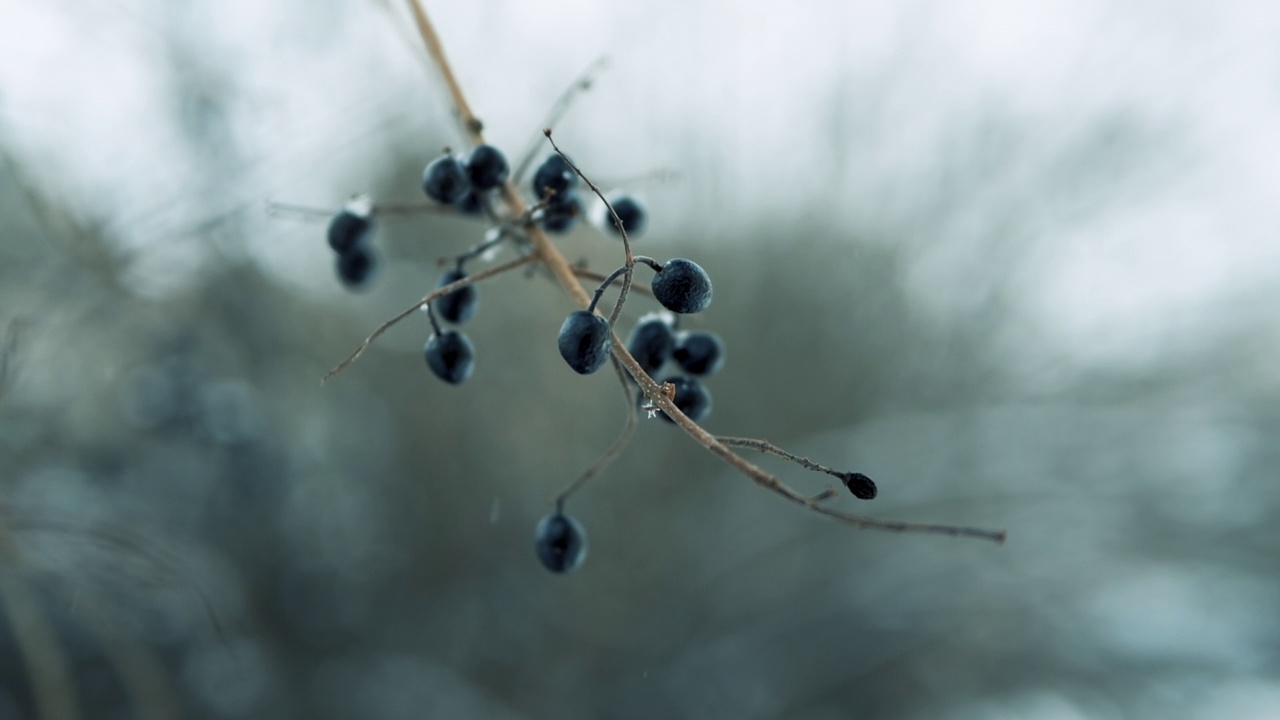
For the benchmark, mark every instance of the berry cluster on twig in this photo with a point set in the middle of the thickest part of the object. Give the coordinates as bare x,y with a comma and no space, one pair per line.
481,184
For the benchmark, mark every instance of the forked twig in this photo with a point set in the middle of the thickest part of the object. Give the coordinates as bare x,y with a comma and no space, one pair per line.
589,274
468,280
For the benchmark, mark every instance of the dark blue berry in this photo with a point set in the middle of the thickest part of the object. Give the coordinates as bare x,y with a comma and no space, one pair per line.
348,231
632,214
450,356
470,204
487,167
445,180
682,286
554,177
585,341
699,352
651,342
458,306
692,398
561,213
357,267
561,543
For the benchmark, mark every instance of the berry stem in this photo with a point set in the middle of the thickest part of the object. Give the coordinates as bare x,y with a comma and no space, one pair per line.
550,255
629,261
615,450
435,324
426,300
765,446
604,284
588,274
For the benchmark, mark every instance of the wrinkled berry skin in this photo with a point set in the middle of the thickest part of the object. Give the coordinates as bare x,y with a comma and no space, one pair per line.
561,543
553,177
458,306
348,231
487,167
699,352
585,341
650,343
631,212
692,398
450,356
445,180
682,286
357,267
562,213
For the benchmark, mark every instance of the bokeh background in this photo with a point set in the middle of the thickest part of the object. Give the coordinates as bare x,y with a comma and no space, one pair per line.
1016,261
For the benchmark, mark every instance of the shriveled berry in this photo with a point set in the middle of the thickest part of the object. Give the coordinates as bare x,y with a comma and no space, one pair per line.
585,341
651,342
349,230
860,485
487,167
631,212
357,267
692,398
554,177
682,286
561,543
445,180
458,306
699,352
450,356
562,213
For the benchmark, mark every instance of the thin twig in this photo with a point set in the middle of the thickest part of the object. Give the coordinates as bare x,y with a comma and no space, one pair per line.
445,290
860,485
471,125
580,85
588,274
629,263
560,267
615,451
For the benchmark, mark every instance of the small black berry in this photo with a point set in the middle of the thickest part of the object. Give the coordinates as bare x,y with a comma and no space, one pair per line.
651,342
562,213
631,212
357,267
349,230
487,167
554,177
458,306
699,352
682,286
692,398
585,341
445,180
561,543
860,485
450,356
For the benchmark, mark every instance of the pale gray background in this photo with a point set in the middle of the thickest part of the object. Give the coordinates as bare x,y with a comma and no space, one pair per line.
1017,261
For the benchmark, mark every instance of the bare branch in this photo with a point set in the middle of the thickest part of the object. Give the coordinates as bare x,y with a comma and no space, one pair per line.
860,485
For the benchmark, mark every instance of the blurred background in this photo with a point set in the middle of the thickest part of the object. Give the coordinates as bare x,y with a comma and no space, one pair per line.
1018,262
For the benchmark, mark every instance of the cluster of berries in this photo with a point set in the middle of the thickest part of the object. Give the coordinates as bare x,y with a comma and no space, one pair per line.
469,186
351,237
655,343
